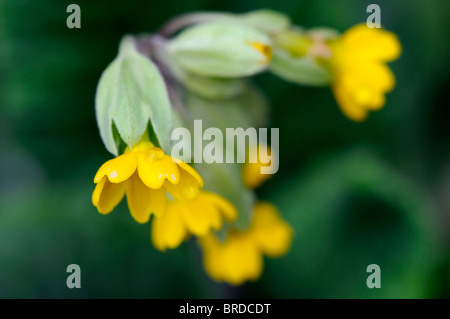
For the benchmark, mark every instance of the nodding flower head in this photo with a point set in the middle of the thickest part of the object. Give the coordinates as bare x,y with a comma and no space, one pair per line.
144,173
240,257
361,77
198,217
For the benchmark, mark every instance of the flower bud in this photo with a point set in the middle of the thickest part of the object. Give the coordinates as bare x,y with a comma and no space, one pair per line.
298,56
222,49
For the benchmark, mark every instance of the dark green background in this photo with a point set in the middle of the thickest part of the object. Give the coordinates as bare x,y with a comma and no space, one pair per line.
355,193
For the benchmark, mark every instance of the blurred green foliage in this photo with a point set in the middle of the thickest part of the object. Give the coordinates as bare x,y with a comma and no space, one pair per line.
355,193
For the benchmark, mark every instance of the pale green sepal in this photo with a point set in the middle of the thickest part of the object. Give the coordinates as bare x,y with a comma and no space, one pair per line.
248,109
221,49
268,21
131,91
302,70
213,88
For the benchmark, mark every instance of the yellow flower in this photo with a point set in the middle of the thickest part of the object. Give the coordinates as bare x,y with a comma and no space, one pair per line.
240,257
144,173
361,77
251,172
197,217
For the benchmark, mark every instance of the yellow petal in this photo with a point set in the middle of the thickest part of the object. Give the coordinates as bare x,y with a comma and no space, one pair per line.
238,260
195,217
209,213
117,169
189,170
364,43
214,212
271,233
107,195
377,102
235,261
251,175
251,172
242,261
142,201
370,76
186,189
98,191
168,231
227,209
212,261
158,202
352,110
154,168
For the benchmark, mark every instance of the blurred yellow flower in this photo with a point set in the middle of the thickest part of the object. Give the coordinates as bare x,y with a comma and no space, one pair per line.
251,172
240,257
360,74
198,216
144,173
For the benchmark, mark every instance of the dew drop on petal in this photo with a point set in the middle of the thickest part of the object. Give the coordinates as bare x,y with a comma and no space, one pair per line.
113,174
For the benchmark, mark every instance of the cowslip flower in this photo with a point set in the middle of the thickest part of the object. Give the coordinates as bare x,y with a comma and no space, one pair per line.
251,172
198,217
240,257
144,173
361,77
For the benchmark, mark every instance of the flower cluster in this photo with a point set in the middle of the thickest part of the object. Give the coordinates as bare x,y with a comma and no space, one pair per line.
196,67
148,177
